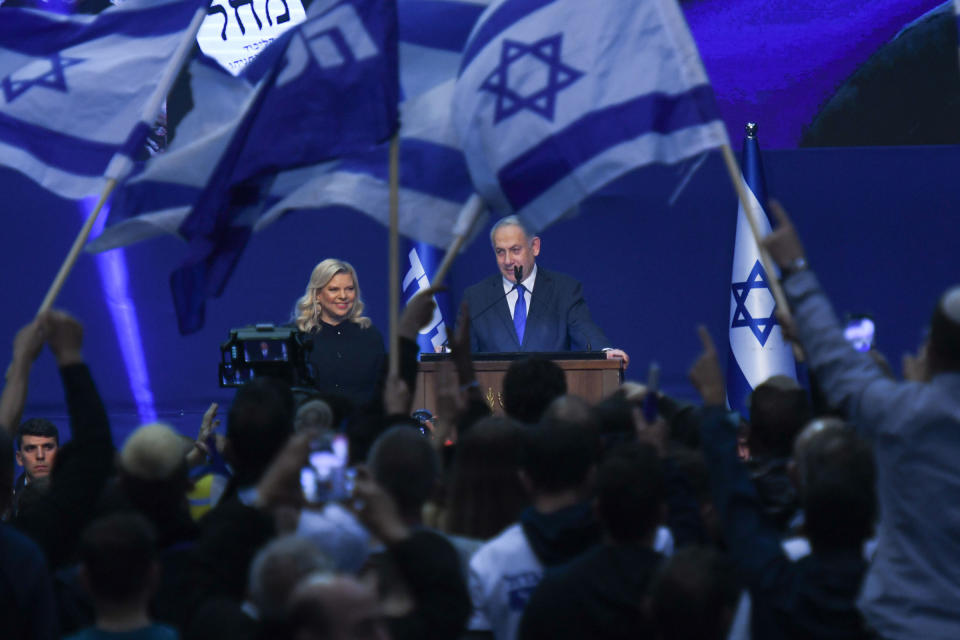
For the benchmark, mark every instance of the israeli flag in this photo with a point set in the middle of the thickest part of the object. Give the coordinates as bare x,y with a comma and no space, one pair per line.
78,94
758,349
423,260
434,178
434,182
325,88
557,98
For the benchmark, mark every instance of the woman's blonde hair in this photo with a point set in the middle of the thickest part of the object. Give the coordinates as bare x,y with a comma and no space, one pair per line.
307,312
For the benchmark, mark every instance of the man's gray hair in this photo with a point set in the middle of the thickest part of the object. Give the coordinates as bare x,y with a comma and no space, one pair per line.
513,221
278,568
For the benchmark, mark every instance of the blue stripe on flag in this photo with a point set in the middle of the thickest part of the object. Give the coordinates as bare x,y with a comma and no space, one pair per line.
432,168
500,20
79,156
738,387
596,132
59,34
438,24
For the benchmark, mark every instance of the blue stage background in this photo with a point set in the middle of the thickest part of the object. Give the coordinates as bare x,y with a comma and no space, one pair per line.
880,225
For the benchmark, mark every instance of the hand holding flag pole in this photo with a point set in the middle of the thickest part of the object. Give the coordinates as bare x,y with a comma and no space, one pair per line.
121,165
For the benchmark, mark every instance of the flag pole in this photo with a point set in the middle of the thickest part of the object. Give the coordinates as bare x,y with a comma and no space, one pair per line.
471,210
394,255
121,165
74,252
735,177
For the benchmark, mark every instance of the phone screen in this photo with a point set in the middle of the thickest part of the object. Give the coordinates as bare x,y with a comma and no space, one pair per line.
860,333
326,476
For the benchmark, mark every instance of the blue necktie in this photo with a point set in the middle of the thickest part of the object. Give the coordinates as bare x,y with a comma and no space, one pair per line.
520,312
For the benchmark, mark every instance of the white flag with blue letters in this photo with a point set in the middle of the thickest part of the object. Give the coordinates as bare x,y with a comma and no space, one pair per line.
78,91
558,97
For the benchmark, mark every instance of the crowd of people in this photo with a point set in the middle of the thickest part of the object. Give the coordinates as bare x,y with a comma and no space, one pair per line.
825,515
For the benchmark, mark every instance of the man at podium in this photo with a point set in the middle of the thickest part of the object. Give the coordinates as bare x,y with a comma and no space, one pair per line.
527,308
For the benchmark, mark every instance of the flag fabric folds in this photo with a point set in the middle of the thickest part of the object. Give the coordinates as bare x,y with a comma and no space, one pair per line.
555,98
78,94
758,349
326,88
434,178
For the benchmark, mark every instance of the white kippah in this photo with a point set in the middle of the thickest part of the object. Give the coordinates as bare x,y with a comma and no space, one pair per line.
153,452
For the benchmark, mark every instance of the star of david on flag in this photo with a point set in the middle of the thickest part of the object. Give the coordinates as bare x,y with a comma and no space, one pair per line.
556,98
544,53
78,94
762,326
54,78
758,349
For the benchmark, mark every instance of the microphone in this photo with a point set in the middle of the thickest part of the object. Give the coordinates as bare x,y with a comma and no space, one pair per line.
517,274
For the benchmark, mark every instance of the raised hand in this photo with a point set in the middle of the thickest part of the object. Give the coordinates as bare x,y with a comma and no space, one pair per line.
706,373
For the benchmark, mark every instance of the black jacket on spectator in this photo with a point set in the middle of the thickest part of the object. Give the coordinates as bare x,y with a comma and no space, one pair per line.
27,607
230,536
431,569
560,536
599,595
814,597
82,469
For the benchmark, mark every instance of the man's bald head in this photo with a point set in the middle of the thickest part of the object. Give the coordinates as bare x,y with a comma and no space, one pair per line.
329,607
943,350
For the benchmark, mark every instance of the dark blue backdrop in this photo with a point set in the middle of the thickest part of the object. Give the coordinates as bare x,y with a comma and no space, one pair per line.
880,225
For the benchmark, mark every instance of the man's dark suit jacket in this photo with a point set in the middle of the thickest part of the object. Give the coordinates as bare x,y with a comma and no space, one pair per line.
558,318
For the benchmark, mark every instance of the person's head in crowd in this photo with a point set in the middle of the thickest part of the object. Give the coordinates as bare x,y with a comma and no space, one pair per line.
258,424
406,465
693,468
514,246
695,595
630,493
836,475
570,409
37,444
332,296
806,435
313,414
485,493
778,410
559,459
328,607
614,417
153,473
943,345
276,570
529,386
119,568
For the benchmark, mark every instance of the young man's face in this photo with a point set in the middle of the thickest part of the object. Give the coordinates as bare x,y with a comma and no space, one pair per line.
36,455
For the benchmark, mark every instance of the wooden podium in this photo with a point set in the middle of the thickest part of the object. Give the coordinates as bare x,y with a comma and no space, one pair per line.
590,375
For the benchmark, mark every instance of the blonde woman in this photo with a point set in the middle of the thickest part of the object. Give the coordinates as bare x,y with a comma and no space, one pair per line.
347,355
